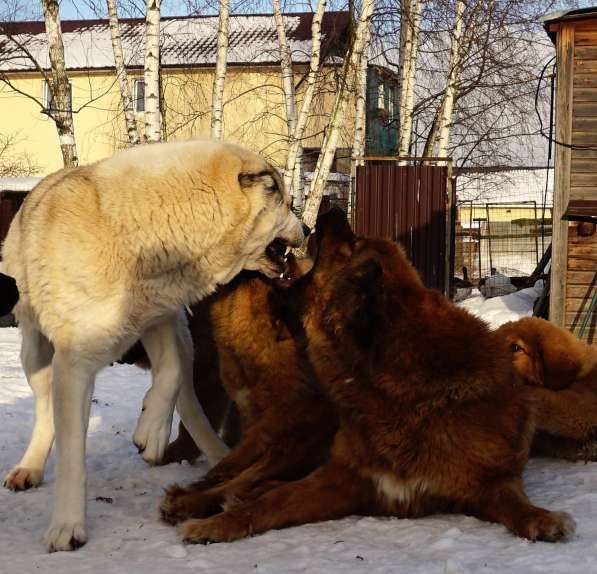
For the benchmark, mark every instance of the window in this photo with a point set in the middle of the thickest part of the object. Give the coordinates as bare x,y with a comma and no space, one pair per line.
139,96
48,99
381,105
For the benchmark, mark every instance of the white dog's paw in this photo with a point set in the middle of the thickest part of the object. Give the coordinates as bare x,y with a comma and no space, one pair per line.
20,478
151,438
66,536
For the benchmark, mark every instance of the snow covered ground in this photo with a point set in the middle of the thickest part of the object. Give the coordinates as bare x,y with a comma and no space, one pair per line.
126,535
499,310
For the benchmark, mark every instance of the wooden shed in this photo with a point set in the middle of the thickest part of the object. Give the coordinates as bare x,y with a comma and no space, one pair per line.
574,258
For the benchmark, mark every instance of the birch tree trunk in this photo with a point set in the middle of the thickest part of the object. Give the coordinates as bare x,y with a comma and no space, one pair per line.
125,92
217,99
410,25
358,146
288,87
360,120
447,109
330,140
294,157
153,128
61,112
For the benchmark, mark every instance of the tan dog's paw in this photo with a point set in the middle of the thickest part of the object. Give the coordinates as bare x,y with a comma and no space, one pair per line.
221,528
549,526
23,478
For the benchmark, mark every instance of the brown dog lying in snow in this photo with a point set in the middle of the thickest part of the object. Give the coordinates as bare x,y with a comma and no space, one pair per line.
287,422
431,418
563,373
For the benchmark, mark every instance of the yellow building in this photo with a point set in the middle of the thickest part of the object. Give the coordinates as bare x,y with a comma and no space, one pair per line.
254,112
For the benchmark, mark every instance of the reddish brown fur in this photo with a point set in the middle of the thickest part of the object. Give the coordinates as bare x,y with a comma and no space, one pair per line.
287,423
563,372
430,419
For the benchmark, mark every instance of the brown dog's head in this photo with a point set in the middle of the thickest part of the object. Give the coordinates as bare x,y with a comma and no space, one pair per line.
543,354
344,294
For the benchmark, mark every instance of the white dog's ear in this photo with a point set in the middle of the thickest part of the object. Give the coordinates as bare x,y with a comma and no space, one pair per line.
269,179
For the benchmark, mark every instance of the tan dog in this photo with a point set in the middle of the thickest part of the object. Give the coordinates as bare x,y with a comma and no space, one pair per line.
563,372
430,417
107,254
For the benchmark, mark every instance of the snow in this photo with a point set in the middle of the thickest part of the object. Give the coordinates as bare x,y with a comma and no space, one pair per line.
185,41
499,310
127,537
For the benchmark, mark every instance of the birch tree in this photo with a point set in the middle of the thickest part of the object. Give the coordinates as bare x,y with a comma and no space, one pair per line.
293,159
358,146
290,174
217,100
153,124
447,109
59,87
125,93
410,23
330,140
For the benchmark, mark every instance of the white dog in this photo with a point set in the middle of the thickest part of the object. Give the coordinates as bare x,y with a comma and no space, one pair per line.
108,254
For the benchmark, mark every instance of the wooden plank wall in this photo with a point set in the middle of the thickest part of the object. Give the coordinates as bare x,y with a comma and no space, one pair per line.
563,156
581,276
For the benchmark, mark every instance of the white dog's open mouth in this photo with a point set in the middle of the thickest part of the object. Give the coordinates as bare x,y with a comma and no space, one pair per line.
277,255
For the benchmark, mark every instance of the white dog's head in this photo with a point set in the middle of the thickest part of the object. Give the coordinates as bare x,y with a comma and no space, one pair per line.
276,228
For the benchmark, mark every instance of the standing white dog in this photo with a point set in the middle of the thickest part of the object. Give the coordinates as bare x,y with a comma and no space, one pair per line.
109,253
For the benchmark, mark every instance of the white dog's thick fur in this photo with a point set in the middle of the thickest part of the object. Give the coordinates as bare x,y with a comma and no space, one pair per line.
109,253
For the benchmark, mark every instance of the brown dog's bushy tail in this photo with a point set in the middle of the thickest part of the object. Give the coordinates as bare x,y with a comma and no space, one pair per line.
9,294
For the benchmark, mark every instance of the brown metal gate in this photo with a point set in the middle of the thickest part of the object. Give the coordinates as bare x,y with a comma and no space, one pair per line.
408,204
10,202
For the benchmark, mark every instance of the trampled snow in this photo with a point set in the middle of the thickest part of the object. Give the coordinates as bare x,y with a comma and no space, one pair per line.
126,535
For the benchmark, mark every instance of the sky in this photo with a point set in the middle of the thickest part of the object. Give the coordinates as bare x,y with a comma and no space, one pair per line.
83,9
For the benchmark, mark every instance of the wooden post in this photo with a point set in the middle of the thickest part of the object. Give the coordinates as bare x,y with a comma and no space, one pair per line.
450,229
559,266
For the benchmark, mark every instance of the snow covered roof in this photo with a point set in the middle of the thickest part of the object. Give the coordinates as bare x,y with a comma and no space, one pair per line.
186,41
505,186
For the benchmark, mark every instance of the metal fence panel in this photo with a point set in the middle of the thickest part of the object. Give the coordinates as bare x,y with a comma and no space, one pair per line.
406,203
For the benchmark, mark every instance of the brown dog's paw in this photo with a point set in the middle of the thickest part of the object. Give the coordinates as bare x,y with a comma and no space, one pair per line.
173,508
222,472
180,504
548,526
221,528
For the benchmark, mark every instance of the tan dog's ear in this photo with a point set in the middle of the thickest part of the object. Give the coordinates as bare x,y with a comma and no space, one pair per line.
269,179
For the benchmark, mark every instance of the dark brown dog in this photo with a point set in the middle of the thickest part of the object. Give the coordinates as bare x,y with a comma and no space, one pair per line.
563,373
430,418
287,422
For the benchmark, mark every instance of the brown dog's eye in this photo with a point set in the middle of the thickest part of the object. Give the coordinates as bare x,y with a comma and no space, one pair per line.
515,348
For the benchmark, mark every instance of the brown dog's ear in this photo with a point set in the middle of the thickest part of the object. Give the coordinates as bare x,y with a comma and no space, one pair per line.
360,301
562,361
334,224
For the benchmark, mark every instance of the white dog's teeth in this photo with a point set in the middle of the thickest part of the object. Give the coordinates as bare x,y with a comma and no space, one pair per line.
287,250
281,275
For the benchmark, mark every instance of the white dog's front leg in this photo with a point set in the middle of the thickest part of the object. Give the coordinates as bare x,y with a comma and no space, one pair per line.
72,389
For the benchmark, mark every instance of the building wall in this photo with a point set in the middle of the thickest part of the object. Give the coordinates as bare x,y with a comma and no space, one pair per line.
574,261
254,113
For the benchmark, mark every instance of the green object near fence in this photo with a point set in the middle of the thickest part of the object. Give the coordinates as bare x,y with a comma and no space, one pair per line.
585,321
